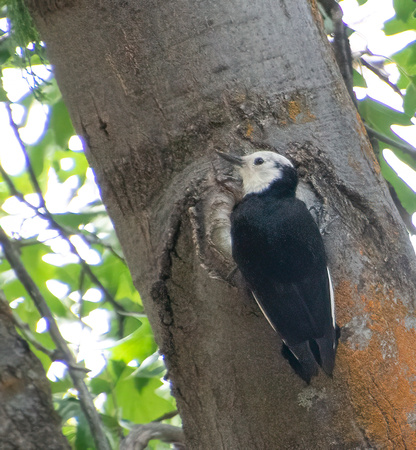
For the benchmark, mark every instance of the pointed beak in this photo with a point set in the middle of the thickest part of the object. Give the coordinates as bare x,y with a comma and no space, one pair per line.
233,159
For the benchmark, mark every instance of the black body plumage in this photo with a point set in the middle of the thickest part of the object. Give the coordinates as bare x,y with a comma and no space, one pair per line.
279,250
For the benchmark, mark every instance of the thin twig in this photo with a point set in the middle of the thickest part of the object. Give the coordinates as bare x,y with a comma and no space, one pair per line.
167,416
92,238
77,377
29,167
27,334
382,77
404,147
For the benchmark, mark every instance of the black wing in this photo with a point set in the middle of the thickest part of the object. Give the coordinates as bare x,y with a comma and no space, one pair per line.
280,253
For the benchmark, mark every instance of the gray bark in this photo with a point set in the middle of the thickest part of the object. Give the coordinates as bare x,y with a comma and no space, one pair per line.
155,87
27,418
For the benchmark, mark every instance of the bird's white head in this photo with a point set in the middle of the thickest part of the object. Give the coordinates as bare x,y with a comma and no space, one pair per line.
259,170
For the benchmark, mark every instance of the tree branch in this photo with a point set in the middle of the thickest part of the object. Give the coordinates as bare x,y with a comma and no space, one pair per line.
382,77
65,353
167,416
29,168
340,44
404,147
140,435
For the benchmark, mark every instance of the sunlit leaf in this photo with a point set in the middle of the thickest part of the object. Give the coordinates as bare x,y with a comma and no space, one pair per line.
358,79
75,220
39,155
394,26
3,95
406,59
61,386
405,194
137,346
137,400
409,102
61,124
404,9
380,116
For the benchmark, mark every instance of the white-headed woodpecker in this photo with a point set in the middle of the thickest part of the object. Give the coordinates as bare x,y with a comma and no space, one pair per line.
279,250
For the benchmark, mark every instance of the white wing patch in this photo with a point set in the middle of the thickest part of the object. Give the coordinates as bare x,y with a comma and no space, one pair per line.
331,293
264,312
268,320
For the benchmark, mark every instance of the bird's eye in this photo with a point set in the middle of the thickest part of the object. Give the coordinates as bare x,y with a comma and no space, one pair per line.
258,161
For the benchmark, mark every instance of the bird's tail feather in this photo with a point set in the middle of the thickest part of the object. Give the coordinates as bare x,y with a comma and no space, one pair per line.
327,349
302,360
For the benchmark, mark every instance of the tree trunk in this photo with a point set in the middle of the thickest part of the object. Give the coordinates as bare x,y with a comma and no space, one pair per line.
155,87
27,418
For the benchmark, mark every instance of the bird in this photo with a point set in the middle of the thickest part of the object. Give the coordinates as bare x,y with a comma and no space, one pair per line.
279,251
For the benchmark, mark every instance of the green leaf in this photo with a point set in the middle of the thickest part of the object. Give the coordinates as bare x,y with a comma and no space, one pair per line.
358,79
51,92
84,439
3,95
43,358
75,220
5,54
80,165
406,59
111,272
395,26
380,117
405,194
137,400
137,346
22,183
61,124
61,386
409,102
39,154
152,367
26,310
68,407
99,385
6,49
404,9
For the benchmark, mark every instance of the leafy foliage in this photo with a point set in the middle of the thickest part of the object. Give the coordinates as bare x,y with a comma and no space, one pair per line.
381,117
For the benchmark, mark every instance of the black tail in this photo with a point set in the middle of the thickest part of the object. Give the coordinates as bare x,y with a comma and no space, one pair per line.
302,360
305,357
327,349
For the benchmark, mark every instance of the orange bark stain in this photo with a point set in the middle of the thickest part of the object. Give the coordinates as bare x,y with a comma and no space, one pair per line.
293,109
381,377
315,12
249,130
298,111
344,296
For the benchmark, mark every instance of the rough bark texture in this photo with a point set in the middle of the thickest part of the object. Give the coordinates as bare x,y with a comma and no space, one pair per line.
27,418
155,87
